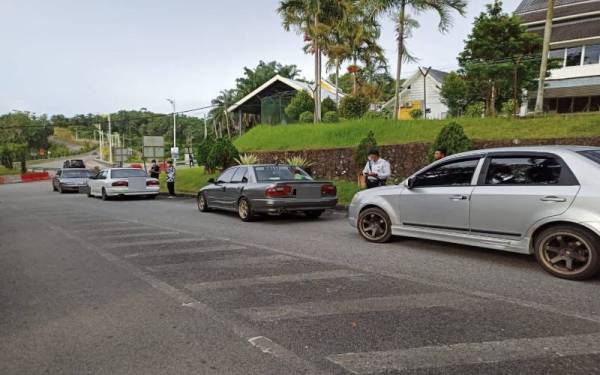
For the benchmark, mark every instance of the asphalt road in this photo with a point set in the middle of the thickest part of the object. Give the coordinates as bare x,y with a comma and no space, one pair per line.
144,287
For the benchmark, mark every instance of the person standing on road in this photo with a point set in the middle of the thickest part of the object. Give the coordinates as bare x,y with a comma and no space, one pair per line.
440,153
171,179
377,170
154,170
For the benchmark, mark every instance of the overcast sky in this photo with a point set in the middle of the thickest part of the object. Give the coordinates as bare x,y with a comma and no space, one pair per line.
74,56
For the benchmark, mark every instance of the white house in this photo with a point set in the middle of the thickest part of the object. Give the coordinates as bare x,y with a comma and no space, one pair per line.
419,89
575,43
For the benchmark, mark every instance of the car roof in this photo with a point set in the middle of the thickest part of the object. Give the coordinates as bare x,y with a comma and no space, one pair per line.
543,148
263,165
74,169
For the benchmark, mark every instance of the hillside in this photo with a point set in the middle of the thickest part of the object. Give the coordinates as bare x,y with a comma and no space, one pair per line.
349,133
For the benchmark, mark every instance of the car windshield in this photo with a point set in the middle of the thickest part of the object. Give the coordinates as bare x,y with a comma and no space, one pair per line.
593,155
76,174
124,173
280,173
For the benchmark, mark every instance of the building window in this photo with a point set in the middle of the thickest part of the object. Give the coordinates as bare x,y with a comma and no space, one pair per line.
558,55
595,104
580,104
592,54
573,56
549,104
564,105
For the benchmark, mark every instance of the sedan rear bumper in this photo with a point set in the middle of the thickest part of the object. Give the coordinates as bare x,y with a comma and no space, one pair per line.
113,191
277,206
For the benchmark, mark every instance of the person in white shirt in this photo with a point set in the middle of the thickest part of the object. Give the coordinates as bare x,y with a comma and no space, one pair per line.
377,170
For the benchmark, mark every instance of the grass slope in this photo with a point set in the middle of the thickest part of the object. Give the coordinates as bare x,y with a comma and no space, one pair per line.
6,171
349,133
189,180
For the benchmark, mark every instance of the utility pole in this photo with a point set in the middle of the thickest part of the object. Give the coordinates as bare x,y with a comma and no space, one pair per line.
172,101
400,51
205,124
539,102
424,73
110,141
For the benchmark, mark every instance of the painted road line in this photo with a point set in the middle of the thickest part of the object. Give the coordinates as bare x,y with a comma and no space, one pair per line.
224,263
468,353
135,235
203,249
174,241
131,228
295,277
391,303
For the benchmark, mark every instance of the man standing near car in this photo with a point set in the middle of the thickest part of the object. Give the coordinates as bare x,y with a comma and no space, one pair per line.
377,170
171,179
154,170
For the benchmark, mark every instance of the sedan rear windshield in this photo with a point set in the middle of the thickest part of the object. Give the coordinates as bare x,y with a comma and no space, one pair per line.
280,173
124,173
593,155
75,174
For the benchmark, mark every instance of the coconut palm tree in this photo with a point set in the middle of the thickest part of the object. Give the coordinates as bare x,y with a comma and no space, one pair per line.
400,10
219,114
314,19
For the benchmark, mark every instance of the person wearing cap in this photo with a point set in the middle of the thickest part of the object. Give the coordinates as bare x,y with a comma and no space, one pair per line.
171,179
154,170
377,170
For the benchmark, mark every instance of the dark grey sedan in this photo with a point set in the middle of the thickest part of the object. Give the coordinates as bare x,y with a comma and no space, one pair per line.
71,179
267,189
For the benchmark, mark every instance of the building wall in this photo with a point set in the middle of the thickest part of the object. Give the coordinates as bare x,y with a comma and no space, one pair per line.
414,95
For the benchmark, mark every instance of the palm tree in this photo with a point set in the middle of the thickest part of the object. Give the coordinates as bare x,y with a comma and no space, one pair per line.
315,20
219,114
400,10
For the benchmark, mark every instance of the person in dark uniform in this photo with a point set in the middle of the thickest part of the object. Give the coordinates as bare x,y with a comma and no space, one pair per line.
154,170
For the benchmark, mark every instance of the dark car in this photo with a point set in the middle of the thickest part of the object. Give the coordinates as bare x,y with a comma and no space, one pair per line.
267,189
74,163
71,179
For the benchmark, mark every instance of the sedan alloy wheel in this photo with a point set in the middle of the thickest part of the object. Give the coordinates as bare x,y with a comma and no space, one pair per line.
374,225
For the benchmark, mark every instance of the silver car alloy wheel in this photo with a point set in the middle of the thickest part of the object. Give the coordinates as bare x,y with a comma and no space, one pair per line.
243,208
373,226
201,202
566,253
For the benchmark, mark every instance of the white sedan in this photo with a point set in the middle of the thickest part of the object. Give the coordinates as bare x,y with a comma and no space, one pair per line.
113,182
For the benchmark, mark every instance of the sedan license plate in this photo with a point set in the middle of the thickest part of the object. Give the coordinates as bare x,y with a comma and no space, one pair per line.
308,192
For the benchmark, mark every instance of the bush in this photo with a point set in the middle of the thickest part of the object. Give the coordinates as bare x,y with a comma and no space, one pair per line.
475,110
300,103
361,153
416,114
307,116
508,108
353,106
222,154
331,116
328,105
375,115
204,149
451,138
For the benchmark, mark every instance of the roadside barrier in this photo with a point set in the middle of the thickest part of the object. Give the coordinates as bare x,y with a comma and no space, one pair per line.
24,177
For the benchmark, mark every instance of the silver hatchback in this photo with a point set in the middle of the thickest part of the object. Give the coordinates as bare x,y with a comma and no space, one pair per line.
542,200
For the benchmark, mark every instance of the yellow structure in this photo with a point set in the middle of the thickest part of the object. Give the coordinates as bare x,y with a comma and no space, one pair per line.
404,113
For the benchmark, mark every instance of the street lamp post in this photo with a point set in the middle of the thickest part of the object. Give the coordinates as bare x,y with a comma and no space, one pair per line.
172,101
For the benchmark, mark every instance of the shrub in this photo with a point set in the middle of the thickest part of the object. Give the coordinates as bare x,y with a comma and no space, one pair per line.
353,106
375,115
508,108
247,159
451,138
328,105
222,154
203,150
300,103
307,116
475,110
361,153
416,114
331,116
298,161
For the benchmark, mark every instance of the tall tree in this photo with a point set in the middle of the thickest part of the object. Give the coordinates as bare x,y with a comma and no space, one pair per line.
314,19
401,11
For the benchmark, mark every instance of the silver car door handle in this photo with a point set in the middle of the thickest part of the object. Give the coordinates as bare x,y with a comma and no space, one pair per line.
553,198
458,197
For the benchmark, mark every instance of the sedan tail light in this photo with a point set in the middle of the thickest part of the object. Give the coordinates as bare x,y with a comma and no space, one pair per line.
328,190
278,191
120,183
152,183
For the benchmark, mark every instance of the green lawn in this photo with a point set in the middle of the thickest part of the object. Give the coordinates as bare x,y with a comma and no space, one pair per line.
349,133
189,180
5,171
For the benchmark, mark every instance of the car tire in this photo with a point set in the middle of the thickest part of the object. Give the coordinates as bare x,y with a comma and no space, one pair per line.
105,196
245,210
201,203
89,192
374,225
60,189
54,187
568,252
314,214
151,196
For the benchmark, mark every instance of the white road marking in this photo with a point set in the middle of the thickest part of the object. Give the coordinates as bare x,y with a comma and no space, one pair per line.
174,241
468,353
391,303
183,251
296,277
224,263
147,234
108,228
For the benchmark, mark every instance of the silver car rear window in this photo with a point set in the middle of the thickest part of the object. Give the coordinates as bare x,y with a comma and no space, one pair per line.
280,173
75,174
124,173
593,155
